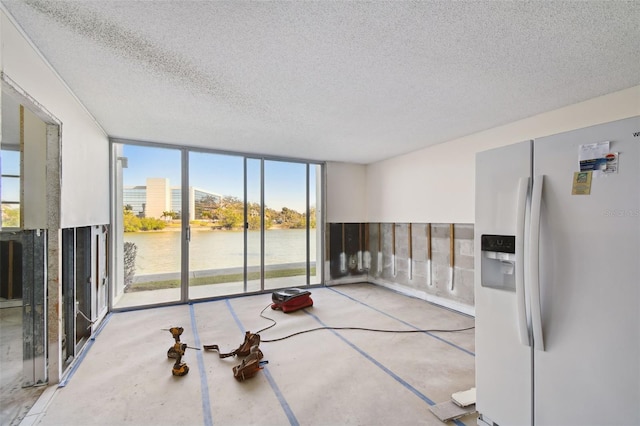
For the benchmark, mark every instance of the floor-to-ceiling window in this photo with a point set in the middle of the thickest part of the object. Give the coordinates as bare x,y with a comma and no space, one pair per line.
287,242
216,223
194,224
148,230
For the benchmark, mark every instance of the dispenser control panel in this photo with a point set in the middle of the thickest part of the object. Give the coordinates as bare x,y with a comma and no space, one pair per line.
498,243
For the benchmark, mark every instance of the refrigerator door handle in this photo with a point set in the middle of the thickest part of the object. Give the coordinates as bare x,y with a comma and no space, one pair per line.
523,188
534,263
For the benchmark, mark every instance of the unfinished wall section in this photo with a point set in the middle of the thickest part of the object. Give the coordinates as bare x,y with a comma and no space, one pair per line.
416,259
66,184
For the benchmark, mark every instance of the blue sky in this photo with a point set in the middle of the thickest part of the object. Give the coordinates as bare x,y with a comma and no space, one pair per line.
223,174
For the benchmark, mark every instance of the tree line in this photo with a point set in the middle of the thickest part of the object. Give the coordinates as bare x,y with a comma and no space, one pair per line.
224,213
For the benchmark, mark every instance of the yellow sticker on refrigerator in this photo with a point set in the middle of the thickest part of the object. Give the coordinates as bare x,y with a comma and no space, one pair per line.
581,183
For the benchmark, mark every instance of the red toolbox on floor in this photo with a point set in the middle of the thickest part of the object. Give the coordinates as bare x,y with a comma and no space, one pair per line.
291,299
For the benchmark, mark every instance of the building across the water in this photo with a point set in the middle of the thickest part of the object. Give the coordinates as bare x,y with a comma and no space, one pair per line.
157,197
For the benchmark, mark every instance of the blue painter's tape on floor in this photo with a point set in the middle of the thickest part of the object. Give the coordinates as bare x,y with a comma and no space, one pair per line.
283,402
233,314
379,365
403,322
293,421
204,387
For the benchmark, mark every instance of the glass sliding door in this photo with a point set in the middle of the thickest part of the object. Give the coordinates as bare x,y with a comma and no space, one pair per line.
192,224
147,231
285,215
217,224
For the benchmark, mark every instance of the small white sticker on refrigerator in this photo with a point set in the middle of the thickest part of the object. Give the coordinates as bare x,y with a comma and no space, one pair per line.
592,156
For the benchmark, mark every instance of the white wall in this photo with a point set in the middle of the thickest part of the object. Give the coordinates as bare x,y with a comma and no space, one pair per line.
85,147
346,197
437,184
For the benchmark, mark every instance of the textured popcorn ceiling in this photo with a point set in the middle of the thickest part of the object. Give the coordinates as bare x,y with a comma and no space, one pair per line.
330,80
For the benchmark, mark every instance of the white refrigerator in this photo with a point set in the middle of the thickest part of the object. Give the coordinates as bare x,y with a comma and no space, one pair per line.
557,279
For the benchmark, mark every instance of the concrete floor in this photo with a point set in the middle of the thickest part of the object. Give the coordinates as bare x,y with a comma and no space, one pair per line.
326,377
15,400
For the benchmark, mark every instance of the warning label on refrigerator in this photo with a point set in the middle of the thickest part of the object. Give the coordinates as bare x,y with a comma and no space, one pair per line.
581,183
612,163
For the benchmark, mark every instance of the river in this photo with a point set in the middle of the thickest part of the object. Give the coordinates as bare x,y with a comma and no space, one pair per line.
159,251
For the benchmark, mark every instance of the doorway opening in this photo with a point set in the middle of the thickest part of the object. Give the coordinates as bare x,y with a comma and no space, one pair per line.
30,201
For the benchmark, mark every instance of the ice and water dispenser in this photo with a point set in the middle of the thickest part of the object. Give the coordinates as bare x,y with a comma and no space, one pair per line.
498,261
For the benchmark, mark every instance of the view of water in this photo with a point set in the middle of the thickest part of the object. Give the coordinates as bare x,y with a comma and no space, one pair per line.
159,252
